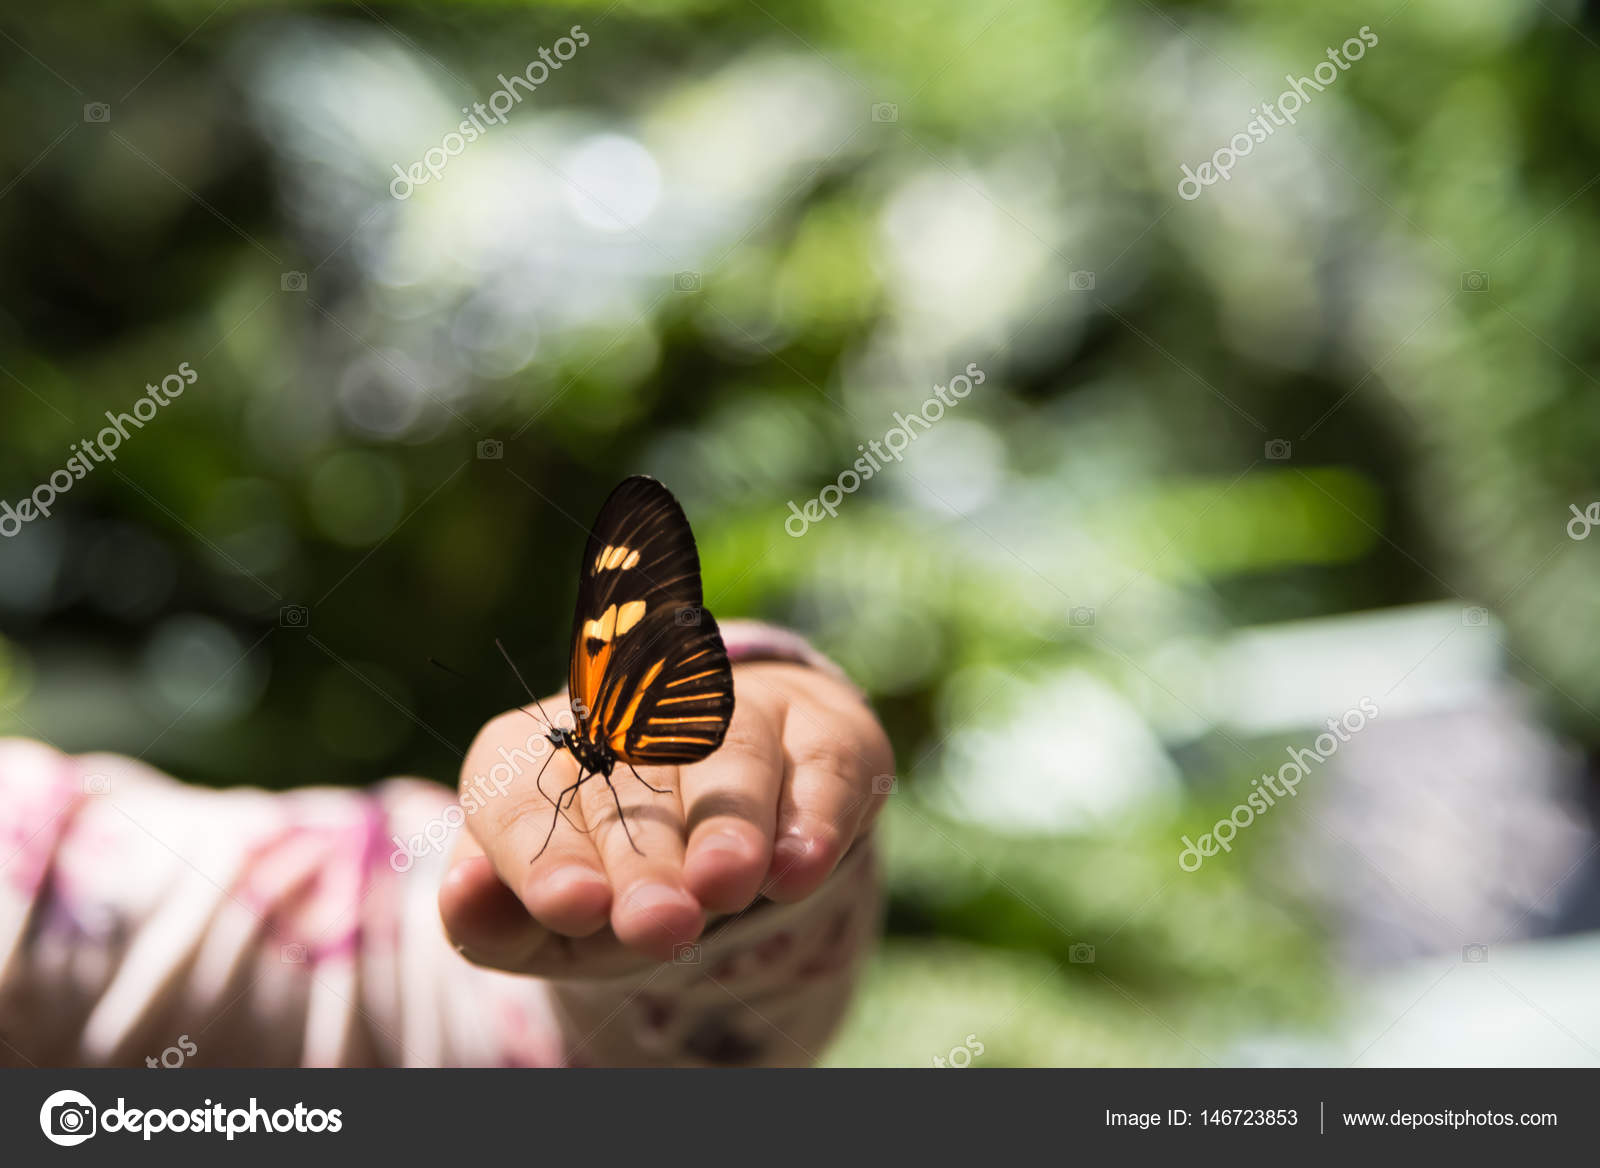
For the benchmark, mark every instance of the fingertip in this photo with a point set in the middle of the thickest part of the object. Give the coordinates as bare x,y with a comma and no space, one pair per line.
725,866
656,918
483,918
471,894
574,899
801,860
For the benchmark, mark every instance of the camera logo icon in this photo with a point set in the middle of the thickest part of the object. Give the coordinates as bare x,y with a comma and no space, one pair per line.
292,281
884,785
294,616
1475,954
292,954
67,1118
1081,281
686,282
686,953
1474,617
1082,616
1081,954
885,111
1474,281
491,449
687,616
97,784
97,112
1278,449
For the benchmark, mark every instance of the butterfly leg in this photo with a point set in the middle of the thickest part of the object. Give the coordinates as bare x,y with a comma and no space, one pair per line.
556,816
540,786
620,816
648,787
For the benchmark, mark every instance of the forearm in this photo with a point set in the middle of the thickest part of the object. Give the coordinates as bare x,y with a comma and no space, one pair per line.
140,917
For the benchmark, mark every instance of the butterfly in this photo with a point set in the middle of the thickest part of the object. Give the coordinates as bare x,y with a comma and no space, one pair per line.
649,682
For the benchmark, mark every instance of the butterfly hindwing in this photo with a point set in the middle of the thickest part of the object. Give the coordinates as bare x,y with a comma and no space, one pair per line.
668,695
634,634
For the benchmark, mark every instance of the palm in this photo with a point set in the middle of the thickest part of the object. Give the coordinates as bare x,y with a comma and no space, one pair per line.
770,813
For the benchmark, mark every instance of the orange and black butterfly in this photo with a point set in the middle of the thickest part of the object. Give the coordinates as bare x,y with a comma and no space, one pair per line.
649,681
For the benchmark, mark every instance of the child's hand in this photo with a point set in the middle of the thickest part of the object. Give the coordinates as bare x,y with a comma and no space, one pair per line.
770,813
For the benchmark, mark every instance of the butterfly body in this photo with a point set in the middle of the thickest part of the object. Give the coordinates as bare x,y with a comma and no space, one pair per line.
649,681
595,757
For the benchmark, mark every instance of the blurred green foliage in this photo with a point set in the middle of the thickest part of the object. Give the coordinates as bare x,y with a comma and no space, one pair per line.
1114,460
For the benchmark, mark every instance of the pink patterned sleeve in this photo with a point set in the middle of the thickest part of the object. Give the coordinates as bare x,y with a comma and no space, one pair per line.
146,922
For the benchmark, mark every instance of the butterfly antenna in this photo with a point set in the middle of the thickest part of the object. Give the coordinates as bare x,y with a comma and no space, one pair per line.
434,661
531,695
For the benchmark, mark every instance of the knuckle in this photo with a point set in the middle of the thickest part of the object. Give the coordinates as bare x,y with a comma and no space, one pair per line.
744,748
825,752
524,813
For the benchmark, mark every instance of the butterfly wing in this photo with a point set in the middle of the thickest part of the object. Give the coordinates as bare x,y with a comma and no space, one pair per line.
667,696
640,626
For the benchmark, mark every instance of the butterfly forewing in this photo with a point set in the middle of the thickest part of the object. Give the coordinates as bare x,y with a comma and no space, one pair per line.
649,674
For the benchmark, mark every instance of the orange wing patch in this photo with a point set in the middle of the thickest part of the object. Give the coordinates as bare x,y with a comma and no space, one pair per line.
593,656
618,738
613,622
696,677
649,740
614,556
630,614
602,628
599,635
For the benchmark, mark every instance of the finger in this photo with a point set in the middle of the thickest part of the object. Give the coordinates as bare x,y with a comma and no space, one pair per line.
564,880
828,795
490,926
483,918
642,850
731,808
538,851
